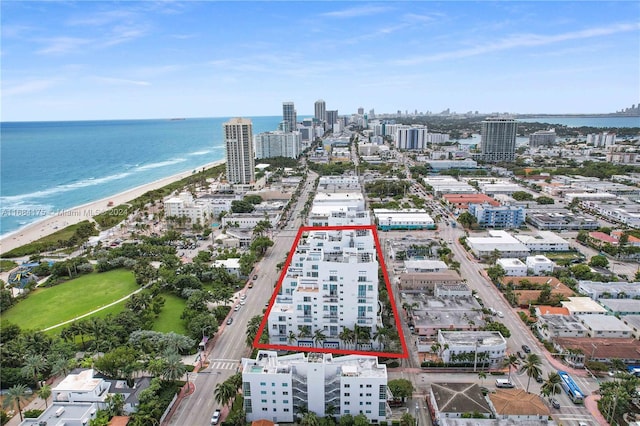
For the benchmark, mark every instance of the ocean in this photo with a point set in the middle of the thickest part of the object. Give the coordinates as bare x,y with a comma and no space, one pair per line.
51,166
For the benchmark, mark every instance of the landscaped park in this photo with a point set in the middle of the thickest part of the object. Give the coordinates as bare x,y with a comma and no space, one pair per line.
46,307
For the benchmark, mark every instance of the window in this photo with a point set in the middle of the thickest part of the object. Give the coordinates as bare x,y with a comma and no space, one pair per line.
347,394
263,392
284,401
263,383
314,267
368,403
264,408
286,410
285,392
347,385
368,394
264,401
368,386
347,403
284,385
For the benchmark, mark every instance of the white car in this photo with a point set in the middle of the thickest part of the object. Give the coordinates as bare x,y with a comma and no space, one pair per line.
242,302
236,308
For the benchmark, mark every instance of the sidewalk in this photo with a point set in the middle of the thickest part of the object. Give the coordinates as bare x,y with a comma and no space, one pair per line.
36,404
591,403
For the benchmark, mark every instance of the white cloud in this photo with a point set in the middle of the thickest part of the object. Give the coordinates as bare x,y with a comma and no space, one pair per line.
121,81
521,40
61,45
27,87
357,11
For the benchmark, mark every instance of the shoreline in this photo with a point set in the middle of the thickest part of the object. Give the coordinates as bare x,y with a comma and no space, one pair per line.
50,224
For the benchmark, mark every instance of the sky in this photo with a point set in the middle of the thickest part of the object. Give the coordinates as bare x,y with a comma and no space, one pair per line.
64,60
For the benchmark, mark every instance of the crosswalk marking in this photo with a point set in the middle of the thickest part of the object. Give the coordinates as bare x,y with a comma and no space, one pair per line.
223,365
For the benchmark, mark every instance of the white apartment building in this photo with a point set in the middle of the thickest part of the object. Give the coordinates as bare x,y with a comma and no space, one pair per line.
513,267
184,206
278,144
479,346
540,265
543,241
331,284
340,199
502,241
276,387
339,181
437,137
388,219
425,265
411,138
336,216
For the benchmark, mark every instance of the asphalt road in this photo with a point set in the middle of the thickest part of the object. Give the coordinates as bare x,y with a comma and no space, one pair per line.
230,344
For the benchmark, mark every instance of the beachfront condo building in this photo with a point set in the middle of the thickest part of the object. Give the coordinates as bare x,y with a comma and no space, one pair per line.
498,140
278,144
320,110
289,117
238,138
329,295
282,388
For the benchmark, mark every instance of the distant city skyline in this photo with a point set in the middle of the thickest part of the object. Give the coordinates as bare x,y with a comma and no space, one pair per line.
136,60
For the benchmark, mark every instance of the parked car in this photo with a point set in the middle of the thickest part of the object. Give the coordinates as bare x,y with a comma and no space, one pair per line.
236,308
255,277
554,403
539,379
520,355
526,348
230,321
215,418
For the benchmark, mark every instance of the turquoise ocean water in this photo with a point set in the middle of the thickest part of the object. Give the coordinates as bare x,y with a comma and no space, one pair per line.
47,167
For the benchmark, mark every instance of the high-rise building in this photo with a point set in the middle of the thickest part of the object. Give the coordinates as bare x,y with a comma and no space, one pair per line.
411,138
360,111
289,117
278,144
320,109
332,117
282,387
238,138
542,138
331,284
498,140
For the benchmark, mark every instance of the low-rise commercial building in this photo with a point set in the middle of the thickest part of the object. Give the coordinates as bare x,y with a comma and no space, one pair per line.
583,306
544,241
426,282
482,347
621,307
560,220
425,265
610,290
462,201
408,219
518,404
505,243
552,326
633,321
540,265
512,267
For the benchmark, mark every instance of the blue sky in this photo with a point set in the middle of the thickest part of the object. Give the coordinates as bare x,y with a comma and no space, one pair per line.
144,59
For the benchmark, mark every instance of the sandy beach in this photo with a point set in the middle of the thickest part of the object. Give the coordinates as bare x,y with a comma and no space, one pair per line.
77,214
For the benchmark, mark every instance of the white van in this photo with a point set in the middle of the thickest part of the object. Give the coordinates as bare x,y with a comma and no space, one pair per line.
503,383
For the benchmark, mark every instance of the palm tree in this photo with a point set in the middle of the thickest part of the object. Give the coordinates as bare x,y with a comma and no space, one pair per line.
531,366
292,337
252,329
310,419
225,392
173,367
43,393
15,396
34,364
319,337
511,361
617,365
305,331
552,385
482,375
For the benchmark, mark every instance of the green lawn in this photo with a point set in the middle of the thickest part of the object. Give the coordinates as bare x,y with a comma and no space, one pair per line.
169,318
45,307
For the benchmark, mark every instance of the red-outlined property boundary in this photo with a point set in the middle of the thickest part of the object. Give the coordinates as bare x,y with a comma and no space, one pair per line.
283,273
